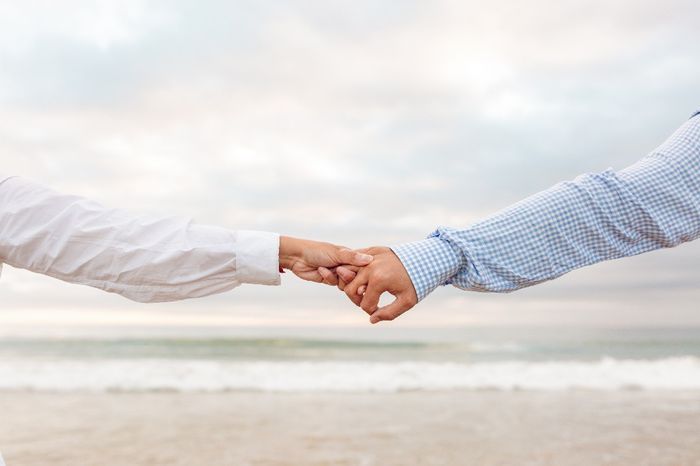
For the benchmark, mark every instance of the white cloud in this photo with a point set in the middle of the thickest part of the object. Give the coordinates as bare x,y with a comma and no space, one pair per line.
101,23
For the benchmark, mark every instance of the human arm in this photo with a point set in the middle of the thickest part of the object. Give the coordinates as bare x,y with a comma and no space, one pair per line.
652,204
144,258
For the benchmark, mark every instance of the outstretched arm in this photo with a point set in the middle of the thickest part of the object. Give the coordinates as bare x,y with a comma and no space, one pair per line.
145,258
652,204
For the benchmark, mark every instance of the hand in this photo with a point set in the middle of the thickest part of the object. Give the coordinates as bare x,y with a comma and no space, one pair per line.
385,273
305,257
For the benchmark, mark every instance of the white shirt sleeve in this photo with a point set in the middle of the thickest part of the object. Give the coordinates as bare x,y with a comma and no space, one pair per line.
143,258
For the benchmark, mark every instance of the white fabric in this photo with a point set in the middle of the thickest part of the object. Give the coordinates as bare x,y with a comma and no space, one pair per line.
144,258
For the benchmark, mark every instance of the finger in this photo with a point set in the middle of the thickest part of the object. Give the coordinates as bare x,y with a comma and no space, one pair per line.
370,299
346,274
351,288
311,276
391,311
347,256
361,290
329,278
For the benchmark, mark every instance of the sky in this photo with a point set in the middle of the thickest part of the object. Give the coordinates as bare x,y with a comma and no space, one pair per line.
356,122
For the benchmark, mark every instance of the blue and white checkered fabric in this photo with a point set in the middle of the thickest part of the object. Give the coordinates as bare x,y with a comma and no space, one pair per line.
652,204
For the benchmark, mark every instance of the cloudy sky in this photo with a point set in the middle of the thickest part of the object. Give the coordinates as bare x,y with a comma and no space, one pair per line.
358,122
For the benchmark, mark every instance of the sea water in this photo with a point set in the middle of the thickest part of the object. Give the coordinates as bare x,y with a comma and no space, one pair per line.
352,360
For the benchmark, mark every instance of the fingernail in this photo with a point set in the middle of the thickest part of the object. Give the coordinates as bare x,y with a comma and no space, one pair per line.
365,257
361,290
373,319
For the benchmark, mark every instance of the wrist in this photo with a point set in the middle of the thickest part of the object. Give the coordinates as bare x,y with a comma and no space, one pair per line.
290,251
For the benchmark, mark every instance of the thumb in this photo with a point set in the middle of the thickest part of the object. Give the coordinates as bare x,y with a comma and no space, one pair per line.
349,257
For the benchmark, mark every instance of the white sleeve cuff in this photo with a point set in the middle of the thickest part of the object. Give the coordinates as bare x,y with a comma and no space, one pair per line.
257,257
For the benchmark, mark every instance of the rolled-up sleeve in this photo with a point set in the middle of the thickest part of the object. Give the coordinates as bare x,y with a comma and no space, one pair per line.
143,258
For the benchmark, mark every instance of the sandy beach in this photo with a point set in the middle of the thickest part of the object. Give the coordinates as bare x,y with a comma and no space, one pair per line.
422,428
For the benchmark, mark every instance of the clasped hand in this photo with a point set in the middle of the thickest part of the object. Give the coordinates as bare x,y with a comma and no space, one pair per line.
363,275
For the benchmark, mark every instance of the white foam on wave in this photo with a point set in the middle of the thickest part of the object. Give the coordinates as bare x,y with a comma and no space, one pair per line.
478,347
682,373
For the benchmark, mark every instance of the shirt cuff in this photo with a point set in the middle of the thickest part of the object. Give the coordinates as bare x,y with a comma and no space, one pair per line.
430,263
257,257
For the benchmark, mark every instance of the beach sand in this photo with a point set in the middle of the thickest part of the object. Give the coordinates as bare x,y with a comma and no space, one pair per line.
421,428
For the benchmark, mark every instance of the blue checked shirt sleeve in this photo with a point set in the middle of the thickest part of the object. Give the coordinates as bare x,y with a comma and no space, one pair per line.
652,204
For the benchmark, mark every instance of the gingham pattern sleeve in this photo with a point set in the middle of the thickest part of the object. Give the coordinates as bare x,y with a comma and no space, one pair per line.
652,204
430,263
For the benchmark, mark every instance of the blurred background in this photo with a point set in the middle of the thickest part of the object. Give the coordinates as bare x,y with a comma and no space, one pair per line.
360,123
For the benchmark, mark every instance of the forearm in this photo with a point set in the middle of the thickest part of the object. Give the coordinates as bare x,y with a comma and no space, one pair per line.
655,203
143,258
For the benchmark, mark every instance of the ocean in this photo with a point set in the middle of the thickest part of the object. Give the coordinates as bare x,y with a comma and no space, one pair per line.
356,360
